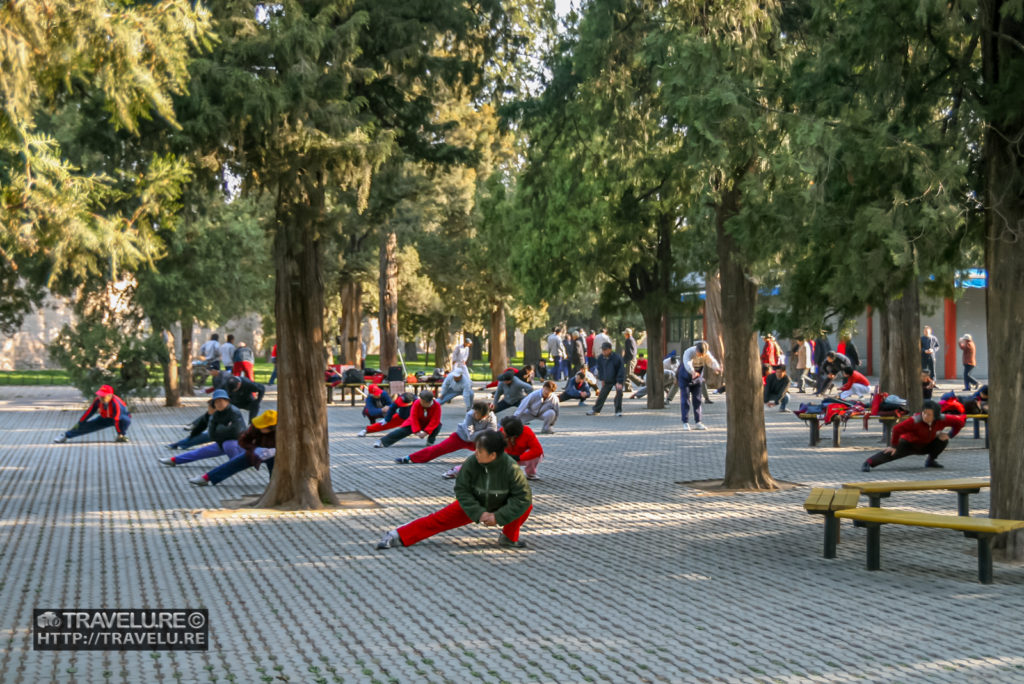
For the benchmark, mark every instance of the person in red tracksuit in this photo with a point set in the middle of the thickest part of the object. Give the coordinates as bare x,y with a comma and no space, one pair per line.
394,417
920,434
424,421
522,445
112,413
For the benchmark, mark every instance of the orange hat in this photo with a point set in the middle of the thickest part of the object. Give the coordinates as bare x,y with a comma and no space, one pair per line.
374,390
104,391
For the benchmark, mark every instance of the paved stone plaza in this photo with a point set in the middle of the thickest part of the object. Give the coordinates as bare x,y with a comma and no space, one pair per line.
629,577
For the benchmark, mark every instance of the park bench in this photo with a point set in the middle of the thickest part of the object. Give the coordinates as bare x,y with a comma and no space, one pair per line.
814,424
978,419
835,505
964,487
354,388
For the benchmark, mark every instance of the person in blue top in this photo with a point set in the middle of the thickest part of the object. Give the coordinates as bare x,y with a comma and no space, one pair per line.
112,413
610,373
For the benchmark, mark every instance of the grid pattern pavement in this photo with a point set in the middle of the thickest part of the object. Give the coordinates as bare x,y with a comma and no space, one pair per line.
628,576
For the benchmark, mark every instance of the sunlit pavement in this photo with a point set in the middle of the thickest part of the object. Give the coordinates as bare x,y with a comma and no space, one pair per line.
628,576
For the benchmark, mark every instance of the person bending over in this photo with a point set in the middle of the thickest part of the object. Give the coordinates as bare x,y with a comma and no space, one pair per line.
112,413
928,433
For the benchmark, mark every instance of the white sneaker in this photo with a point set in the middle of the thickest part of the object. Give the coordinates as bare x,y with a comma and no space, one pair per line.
389,540
378,445
700,426
199,481
167,460
361,433
686,427
450,473
381,421
61,439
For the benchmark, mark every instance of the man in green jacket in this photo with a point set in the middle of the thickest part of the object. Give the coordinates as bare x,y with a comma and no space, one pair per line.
491,490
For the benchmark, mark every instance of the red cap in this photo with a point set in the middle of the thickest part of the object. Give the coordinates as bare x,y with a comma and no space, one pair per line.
104,391
374,390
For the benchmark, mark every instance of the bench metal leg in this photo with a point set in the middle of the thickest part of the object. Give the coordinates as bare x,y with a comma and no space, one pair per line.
874,546
986,434
815,435
963,501
886,431
831,534
977,429
330,394
835,432
985,558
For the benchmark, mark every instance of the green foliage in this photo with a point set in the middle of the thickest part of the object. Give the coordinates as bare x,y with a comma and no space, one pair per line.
97,351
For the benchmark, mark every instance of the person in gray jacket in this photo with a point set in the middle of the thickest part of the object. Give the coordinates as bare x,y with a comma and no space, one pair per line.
457,383
477,421
511,390
542,404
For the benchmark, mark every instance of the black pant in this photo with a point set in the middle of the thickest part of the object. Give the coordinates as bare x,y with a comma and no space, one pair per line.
928,364
405,431
969,381
905,448
502,405
602,396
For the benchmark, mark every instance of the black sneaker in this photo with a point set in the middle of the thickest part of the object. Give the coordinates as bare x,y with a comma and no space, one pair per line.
932,463
507,543
866,468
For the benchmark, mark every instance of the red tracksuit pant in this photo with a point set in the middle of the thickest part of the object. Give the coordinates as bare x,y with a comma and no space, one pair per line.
448,518
390,425
243,368
453,443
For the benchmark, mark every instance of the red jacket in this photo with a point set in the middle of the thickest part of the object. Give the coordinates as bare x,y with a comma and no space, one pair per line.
526,446
856,379
915,431
114,409
590,344
424,419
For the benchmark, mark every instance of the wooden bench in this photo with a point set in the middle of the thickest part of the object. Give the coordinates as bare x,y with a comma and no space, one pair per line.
964,487
982,529
978,419
353,389
825,502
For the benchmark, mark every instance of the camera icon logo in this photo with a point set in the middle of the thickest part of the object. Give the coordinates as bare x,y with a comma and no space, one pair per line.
48,619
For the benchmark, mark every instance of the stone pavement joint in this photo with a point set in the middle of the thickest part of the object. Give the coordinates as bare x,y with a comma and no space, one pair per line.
628,576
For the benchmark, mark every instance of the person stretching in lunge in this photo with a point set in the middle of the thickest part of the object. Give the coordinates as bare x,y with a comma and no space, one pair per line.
224,425
477,420
612,373
397,413
576,387
113,413
920,434
490,490
542,404
257,445
521,444
377,402
424,421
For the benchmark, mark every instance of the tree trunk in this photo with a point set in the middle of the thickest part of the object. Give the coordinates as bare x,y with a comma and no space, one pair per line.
186,356
172,396
746,452
531,347
510,339
1004,258
713,323
351,317
655,378
389,301
411,351
884,334
302,468
497,352
904,353
442,355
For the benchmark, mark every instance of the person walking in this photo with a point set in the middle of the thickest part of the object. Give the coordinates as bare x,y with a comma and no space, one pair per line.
227,353
556,350
691,377
928,433
113,412
490,489
478,419
577,354
540,404
611,372
804,361
929,348
970,360
210,352
629,355
256,446
460,356
273,360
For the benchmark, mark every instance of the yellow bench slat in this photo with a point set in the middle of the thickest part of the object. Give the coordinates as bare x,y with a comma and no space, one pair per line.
819,499
949,522
845,498
918,485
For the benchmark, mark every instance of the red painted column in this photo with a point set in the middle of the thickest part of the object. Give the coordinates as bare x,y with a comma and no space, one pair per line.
949,329
871,342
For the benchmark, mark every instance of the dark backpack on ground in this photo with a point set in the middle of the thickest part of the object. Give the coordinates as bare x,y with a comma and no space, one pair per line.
353,376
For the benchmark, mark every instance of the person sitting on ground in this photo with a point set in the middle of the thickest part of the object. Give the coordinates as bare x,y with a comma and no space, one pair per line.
611,372
424,421
490,490
394,417
924,433
542,404
856,385
776,389
245,394
457,383
576,387
257,445
113,412
522,445
542,369
927,385
224,424
377,402
510,392
197,431
833,365
477,420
